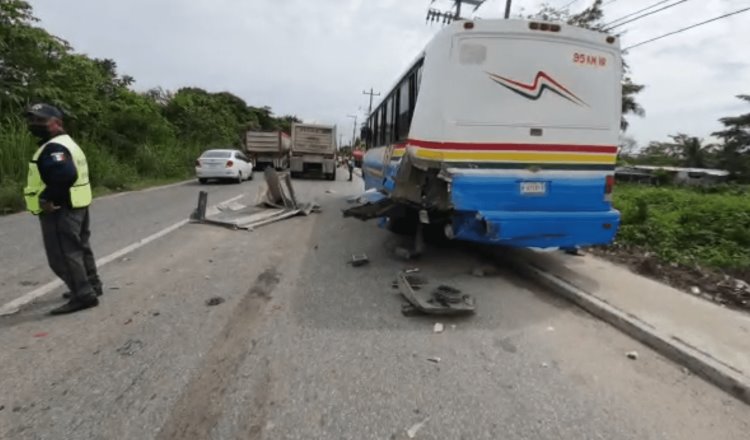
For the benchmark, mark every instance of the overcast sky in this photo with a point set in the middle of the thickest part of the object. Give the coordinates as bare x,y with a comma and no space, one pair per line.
313,58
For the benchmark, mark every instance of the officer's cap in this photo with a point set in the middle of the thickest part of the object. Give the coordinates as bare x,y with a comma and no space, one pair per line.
44,111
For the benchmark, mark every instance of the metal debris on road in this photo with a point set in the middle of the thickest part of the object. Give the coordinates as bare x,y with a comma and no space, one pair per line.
632,355
359,260
215,301
412,432
330,191
434,359
438,328
128,321
486,270
695,290
403,253
276,202
444,300
40,334
130,347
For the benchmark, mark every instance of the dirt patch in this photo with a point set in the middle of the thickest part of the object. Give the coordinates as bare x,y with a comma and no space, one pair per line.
730,289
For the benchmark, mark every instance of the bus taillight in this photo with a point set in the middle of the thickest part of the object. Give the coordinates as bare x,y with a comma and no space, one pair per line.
609,185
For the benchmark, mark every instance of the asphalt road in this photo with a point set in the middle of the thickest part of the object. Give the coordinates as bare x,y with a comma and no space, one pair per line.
308,347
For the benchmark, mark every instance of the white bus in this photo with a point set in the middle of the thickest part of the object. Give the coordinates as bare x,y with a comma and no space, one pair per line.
504,132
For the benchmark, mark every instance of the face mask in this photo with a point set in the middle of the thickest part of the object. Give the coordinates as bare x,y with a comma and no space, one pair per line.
39,131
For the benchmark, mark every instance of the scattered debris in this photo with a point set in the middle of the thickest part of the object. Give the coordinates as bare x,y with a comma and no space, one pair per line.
114,288
486,270
445,300
215,301
411,270
330,191
207,277
438,328
453,326
130,347
2,407
545,365
277,202
434,359
695,290
41,334
128,321
403,253
210,260
156,314
685,370
550,329
412,432
26,283
359,260
632,355
125,259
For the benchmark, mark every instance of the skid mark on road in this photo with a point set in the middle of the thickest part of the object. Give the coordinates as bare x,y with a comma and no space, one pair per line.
199,408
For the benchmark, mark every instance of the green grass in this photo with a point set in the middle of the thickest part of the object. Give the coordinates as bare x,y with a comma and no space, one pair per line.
706,227
145,166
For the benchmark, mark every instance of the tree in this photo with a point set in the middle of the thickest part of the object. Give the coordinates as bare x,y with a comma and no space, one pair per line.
592,18
735,153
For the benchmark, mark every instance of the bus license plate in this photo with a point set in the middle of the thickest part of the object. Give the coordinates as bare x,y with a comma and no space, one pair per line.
533,188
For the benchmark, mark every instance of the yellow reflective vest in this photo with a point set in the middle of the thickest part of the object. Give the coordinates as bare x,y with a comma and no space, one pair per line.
80,192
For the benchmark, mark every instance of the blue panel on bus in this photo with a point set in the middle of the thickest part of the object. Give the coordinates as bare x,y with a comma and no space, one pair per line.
498,192
537,229
529,212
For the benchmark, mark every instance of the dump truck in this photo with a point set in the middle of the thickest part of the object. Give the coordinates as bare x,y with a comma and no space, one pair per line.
314,150
268,149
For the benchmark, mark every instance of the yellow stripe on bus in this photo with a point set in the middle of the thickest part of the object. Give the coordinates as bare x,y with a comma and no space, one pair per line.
513,156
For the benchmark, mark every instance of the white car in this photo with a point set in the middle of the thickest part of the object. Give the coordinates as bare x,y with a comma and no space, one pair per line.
223,164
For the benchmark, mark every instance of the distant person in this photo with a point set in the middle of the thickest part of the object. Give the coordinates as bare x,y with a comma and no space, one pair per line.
59,192
350,165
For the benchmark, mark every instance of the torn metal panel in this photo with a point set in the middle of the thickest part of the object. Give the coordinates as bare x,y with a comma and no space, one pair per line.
381,208
278,202
444,300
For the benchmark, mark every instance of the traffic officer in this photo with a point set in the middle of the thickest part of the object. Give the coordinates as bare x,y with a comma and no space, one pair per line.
58,191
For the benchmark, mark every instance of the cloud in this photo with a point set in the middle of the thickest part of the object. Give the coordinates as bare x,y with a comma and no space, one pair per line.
314,59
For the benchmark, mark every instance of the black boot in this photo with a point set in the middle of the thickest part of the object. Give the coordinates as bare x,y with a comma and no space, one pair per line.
75,305
67,295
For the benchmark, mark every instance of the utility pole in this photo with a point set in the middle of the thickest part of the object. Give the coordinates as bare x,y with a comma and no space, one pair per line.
354,129
507,9
341,140
372,94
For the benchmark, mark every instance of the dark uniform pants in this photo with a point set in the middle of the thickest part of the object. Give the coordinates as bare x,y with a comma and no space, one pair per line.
66,240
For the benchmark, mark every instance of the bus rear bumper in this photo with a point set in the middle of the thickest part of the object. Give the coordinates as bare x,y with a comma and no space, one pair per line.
536,229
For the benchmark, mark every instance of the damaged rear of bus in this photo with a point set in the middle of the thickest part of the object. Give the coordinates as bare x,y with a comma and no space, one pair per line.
502,132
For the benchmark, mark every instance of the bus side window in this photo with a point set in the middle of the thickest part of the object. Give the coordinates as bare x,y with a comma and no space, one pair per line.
389,122
419,78
383,126
404,110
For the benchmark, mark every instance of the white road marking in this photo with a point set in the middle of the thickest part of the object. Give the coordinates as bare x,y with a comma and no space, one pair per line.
15,305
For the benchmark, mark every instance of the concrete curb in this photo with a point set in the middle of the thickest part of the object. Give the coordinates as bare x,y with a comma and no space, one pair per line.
671,346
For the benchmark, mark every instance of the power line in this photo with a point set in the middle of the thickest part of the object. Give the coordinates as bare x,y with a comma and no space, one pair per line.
638,11
644,15
687,28
568,4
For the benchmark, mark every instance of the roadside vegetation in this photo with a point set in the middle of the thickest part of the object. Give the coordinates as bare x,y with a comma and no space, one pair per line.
129,136
708,227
